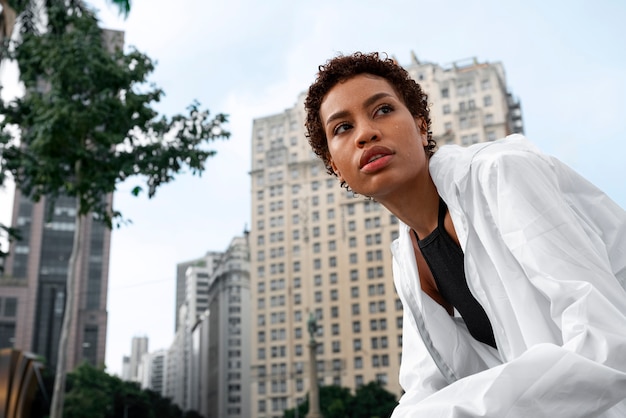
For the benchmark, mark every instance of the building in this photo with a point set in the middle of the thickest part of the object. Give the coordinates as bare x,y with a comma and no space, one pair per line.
32,290
153,367
316,248
139,347
125,368
224,385
195,289
207,367
470,101
207,261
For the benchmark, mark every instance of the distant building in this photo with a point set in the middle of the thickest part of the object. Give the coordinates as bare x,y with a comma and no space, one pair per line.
125,368
153,366
192,288
139,347
207,261
207,367
316,248
224,364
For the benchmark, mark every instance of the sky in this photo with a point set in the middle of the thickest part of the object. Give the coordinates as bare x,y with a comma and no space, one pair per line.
565,61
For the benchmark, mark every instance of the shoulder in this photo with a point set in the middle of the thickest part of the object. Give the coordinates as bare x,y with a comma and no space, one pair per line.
454,167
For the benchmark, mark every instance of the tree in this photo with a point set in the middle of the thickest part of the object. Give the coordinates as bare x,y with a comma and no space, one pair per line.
85,125
30,15
92,393
370,400
29,12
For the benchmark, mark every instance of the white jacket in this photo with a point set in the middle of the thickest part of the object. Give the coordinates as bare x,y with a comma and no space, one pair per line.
545,255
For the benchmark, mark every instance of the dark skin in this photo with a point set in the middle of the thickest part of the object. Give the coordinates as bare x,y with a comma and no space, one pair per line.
378,147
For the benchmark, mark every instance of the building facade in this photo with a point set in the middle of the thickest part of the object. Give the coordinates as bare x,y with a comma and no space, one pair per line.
316,248
153,367
208,261
138,348
207,367
223,338
32,289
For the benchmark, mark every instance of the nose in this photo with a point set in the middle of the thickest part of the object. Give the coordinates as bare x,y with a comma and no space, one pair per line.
367,133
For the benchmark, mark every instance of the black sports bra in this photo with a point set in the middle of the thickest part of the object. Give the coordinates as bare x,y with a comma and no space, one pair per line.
445,260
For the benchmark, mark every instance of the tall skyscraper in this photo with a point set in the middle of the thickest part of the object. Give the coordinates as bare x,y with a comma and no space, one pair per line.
139,347
316,248
153,370
224,358
207,262
33,287
207,367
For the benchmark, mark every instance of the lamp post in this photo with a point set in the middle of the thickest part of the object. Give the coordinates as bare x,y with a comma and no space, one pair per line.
314,395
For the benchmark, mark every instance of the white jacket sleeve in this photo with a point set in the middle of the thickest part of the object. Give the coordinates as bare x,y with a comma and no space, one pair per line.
562,252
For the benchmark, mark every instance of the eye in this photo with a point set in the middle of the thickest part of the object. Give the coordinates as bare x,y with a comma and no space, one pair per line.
383,109
341,128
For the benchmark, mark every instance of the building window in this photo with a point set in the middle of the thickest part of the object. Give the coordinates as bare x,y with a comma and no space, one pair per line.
356,309
358,362
381,378
487,101
445,92
317,280
446,109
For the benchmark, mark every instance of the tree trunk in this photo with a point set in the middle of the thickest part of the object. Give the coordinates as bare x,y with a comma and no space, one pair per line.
58,393
8,16
7,22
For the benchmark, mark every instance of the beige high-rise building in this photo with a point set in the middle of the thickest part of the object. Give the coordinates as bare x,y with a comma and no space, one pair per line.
316,248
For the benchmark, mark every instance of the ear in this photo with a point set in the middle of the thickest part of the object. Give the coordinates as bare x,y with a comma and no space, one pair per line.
335,169
420,124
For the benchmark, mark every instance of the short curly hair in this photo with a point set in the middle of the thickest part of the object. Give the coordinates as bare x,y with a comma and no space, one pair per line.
342,68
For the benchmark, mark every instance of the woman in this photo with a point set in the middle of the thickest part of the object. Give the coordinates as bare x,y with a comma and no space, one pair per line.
511,268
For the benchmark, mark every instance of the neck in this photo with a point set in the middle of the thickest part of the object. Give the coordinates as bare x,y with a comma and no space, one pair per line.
416,205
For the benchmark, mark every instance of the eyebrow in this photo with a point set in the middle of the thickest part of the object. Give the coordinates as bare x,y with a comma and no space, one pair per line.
368,102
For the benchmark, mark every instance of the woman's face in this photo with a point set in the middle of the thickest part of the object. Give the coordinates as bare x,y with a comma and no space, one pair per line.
376,146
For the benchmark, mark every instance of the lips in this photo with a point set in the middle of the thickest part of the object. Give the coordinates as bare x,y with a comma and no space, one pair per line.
372,154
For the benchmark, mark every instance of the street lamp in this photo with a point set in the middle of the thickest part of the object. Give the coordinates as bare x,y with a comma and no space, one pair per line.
314,395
